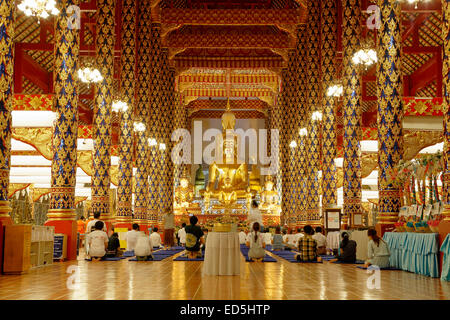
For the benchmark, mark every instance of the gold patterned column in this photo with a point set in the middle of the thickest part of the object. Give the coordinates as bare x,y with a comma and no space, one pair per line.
301,167
390,108
284,146
7,17
61,212
329,44
128,90
276,124
314,104
446,106
143,87
180,122
351,30
101,179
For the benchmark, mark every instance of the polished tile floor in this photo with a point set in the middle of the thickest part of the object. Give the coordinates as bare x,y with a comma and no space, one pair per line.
184,280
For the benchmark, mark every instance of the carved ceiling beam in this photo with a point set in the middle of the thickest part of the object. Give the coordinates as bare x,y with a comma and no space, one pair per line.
273,64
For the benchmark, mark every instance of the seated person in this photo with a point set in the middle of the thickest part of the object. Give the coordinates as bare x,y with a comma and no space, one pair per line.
347,250
267,237
298,235
132,236
143,248
256,243
182,235
290,241
277,240
242,237
113,249
194,238
378,251
97,241
203,246
321,241
155,238
307,247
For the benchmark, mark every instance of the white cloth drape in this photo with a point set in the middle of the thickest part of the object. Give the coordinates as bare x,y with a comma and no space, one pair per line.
333,239
362,242
222,254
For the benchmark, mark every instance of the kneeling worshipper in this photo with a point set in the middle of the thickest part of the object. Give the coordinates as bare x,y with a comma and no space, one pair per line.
277,240
194,238
242,237
113,249
132,236
143,249
169,229
347,250
378,251
256,244
98,242
155,238
321,241
307,247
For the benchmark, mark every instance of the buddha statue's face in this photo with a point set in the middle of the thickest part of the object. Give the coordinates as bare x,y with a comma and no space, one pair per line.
184,183
269,185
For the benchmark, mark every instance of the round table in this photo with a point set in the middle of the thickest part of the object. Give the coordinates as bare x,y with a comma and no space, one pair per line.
222,254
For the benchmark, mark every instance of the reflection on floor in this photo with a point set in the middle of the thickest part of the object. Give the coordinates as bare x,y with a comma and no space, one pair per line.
184,280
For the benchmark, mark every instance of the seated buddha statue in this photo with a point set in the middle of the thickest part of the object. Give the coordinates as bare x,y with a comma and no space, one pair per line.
184,194
227,179
270,201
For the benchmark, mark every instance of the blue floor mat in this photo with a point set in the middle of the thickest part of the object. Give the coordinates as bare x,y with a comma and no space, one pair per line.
128,254
327,257
267,258
107,259
356,262
290,256
388,268
182,258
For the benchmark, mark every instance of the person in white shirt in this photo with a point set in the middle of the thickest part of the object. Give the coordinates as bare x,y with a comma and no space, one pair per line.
98,242
321,241
155,238
143,247
90,225
182,235
267,237
254,215
285,237
132,236
298,236
242,237
256,244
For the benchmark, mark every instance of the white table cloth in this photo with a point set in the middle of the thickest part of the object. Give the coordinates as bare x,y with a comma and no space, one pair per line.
222,254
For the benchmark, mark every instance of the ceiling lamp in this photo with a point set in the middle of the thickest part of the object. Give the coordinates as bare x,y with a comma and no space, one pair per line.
316,116
38,8
303,132
415,2
365,57
162,146
293,144
139,127
89,74
152,142
118,105
335,90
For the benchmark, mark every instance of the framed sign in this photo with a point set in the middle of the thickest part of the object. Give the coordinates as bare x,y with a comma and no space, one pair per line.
357,220
332,219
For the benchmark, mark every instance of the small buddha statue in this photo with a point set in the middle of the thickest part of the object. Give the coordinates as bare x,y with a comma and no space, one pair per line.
270,201
184,193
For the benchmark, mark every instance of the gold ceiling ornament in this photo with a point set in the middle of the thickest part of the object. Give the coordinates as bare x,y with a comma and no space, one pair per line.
38,193
40,9
16,187
39,138
415,141
369,162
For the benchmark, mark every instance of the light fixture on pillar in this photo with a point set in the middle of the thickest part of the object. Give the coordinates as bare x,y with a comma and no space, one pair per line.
303,132
139,127
335,90
316,116
38,8
152,142
162,146
89,74
365,56
119,105
293,144
415,2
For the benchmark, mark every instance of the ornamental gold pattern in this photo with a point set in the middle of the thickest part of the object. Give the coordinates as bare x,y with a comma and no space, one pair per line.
390,107
302,102
351,30
276,123
180,122
314,104
155,120
329,46
128,89
144,39
7,17
101,179
64,161
446,104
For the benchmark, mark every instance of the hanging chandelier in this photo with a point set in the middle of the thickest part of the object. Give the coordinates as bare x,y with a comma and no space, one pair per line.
139,127
38,8
335,90
415,2
365,57
316,116
293,144
118,105
303,132
89,74
162,146
152,142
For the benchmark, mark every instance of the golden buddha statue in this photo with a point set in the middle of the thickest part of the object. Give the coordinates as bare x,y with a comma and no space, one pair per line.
255,180
184,194
229,176
270,200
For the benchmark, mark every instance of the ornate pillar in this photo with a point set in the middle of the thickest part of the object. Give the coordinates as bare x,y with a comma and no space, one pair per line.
446,108
314,104
142,107
351,30
126,135
301,167
7,17
154,121
390,110
61,212
276,123
329,43
180,122
101,179
284,147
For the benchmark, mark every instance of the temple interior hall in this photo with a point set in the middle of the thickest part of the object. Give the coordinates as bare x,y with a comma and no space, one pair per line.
224,150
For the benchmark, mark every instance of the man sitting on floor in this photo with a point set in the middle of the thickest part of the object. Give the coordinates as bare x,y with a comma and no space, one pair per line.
132,236
307,247
242,237
97,242
155,238
143,249
321,241
113,246
194,238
